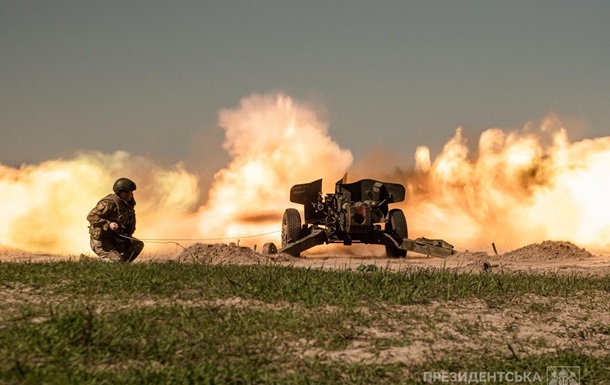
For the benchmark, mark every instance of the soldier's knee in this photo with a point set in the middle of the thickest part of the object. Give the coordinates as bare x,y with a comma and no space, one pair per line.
105,251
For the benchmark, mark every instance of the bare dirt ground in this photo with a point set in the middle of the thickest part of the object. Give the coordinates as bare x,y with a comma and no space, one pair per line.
547,256
531,325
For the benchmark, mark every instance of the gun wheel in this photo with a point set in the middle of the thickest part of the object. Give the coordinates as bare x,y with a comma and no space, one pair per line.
397,225
291,226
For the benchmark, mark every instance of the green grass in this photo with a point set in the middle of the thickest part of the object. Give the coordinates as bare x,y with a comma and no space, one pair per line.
164,323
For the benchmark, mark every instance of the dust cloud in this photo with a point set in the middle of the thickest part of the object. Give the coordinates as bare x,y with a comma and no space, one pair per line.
516,187
519,187
274,142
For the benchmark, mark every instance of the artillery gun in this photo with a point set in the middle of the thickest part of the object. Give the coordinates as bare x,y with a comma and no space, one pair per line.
356,212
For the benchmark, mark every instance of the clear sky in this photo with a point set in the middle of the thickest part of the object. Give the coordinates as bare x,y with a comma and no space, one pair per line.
150,77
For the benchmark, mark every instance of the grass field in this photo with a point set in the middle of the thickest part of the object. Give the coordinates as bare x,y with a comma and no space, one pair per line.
172,323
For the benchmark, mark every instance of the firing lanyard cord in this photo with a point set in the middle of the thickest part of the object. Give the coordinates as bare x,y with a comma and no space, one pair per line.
176,240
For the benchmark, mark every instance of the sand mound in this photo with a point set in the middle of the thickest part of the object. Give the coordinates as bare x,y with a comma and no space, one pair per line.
548,250
545,251
220,253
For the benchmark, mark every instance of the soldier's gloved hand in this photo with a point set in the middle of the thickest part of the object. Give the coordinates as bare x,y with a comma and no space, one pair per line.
113,226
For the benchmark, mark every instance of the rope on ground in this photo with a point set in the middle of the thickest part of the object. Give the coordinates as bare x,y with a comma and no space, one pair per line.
207,239
175,240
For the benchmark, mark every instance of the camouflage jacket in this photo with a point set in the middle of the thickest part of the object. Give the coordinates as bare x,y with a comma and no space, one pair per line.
109,209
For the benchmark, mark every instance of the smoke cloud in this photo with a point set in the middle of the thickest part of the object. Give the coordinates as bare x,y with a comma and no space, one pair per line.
44,206
516,187
274,143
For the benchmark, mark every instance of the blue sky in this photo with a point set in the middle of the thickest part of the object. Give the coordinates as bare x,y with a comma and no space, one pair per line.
150,77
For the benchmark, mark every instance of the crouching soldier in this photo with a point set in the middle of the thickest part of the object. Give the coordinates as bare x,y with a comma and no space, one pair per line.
113,222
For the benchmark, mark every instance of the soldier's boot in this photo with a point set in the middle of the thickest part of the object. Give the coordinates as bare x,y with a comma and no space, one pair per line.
135,248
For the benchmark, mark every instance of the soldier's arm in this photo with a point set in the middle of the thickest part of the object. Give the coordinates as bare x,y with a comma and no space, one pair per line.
98,215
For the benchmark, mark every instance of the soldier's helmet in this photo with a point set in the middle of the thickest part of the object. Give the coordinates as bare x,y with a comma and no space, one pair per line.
123,184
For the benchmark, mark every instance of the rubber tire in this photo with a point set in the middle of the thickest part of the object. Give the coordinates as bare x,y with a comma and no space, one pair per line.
397,225
291,226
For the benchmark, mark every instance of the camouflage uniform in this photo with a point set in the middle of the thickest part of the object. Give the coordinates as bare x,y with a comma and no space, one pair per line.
108,244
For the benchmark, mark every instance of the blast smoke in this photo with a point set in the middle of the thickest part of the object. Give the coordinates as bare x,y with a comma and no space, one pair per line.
516,188
274,143
44,206
519,187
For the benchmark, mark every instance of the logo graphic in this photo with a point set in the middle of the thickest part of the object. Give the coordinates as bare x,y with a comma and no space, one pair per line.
563,375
